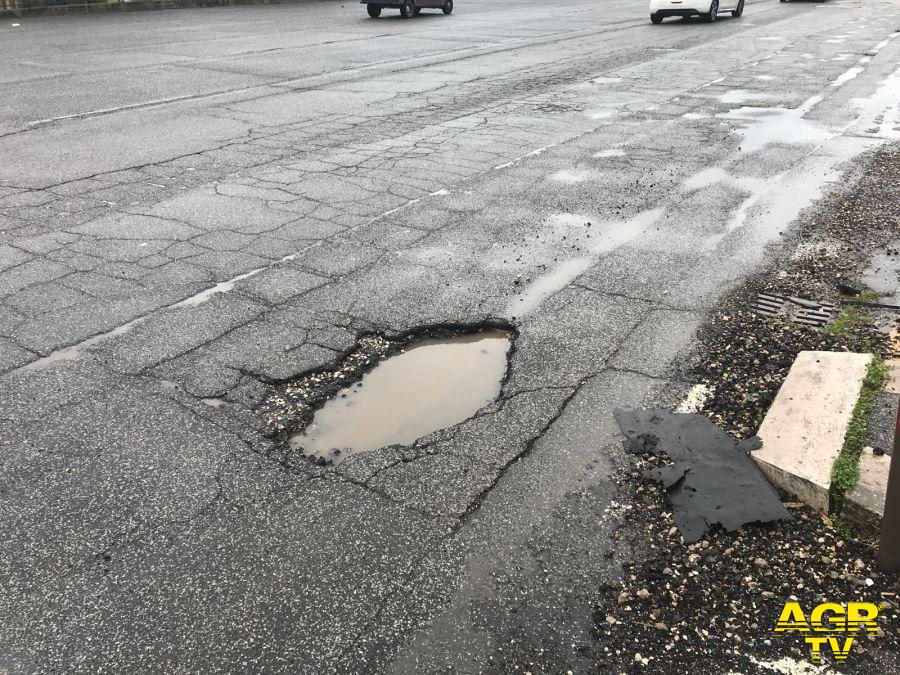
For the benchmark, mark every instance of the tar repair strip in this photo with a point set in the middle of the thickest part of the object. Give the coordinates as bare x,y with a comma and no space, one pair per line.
712,479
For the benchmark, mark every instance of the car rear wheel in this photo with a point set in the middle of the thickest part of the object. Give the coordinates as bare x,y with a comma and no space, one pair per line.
373,10
655,18
408,9
713,10
739,9
447,7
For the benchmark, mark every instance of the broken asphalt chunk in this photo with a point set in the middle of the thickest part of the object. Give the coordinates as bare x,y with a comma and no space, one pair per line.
712,479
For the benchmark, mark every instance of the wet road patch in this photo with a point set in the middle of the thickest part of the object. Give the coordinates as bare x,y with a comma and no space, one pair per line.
388,392
765,126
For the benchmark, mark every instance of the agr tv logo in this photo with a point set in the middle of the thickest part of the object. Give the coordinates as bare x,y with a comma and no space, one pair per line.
830,625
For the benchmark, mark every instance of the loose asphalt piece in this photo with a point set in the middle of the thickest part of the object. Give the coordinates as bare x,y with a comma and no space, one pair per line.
712,479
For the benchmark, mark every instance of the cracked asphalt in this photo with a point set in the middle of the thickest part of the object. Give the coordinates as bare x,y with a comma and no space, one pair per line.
195,204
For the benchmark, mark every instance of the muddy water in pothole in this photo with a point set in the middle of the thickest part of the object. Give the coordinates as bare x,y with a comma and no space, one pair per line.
430,385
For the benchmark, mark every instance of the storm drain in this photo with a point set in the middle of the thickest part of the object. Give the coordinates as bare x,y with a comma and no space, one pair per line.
798,310
422,386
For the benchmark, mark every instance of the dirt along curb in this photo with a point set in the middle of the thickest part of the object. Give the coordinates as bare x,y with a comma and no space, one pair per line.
43,7
715,603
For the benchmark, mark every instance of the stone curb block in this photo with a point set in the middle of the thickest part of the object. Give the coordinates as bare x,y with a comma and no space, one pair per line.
804,430
864,504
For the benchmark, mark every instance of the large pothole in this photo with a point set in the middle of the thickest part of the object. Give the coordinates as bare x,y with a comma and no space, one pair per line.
389,392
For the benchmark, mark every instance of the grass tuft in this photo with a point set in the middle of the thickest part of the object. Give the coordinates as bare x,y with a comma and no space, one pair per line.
845,471
843,527
852,316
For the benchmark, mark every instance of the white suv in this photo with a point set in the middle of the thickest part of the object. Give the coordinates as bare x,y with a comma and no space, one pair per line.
708,9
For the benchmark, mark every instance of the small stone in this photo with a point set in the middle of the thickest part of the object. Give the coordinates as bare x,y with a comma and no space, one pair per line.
760,562
643,594
623,597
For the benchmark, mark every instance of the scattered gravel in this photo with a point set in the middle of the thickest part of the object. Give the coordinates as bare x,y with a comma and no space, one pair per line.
713,604
744,357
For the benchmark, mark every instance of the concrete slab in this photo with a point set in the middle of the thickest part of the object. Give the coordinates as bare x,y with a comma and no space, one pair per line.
893,381
865,502
893,365
804,429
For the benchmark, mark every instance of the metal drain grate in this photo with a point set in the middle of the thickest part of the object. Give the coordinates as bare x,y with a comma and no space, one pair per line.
796,309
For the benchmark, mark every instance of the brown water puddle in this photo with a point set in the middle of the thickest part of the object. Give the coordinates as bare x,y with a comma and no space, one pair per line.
430,385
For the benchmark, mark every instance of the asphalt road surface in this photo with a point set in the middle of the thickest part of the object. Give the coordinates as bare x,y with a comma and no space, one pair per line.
355,176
